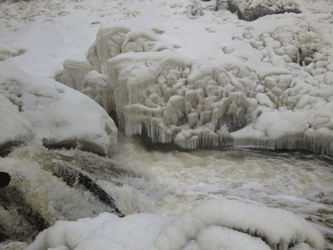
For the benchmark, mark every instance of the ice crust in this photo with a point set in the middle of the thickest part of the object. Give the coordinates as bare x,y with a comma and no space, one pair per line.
214,224
46,112
175,99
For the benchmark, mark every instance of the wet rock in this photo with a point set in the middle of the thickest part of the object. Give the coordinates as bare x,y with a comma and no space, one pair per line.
71,176
18,220
4,179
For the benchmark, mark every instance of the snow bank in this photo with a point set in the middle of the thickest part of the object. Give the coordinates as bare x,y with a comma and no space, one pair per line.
213,225
46,112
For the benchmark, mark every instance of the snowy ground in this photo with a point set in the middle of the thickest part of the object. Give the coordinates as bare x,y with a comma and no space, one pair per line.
183,72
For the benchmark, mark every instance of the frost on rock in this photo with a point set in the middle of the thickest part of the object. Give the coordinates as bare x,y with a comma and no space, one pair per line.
216,220
252,10
49,113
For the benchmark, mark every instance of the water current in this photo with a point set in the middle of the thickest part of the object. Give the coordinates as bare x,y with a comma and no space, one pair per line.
170,183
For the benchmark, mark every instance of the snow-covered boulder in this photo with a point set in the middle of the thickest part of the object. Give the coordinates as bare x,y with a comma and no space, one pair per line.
46,112
252,10
218,224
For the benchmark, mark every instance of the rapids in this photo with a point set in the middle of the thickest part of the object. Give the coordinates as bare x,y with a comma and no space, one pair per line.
171,183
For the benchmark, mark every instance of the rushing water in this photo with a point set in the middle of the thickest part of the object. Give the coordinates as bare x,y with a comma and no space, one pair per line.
170,183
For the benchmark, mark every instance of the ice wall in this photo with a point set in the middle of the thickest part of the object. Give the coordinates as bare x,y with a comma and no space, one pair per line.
178,100
283,104
46,112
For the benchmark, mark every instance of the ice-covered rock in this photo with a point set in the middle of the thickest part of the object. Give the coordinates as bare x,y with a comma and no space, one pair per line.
88,75
218,224
177,100
156,91
252,10
174,99
46,112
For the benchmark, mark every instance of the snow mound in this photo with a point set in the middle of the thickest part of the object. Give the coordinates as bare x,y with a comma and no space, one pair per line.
219,224
46,112
279,228
252,10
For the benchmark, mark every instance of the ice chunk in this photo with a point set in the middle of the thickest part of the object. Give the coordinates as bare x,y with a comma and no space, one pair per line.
49,113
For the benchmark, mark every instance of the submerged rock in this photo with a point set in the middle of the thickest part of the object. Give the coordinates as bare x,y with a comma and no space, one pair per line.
73,176
20,222
4,179
39,194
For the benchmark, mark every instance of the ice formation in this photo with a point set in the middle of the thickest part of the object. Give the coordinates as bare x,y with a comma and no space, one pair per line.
45,112
213,225
174,99
252,10
177,100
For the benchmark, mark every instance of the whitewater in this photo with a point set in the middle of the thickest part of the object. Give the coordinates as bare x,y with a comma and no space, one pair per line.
179,124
